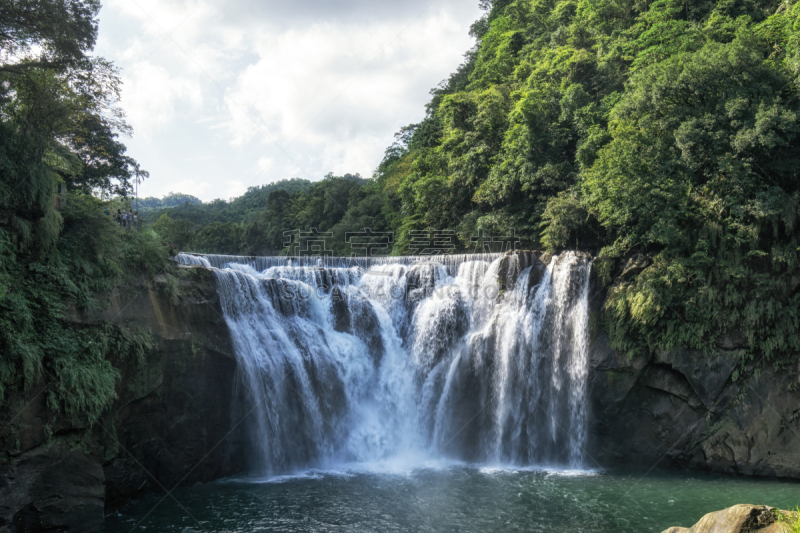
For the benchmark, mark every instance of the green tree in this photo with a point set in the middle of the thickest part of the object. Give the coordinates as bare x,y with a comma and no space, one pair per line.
59,124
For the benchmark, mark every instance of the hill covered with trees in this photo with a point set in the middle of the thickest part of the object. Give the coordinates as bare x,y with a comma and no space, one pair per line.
173,199
60,125
662,128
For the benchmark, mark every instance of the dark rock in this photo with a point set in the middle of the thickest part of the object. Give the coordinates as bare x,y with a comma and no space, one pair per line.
368,329
174,420
733,340
651,427
536,273
707,373
420,281
340,311
514,262
682,409
635,266
612,378
53,489
356,316
667,379
759,435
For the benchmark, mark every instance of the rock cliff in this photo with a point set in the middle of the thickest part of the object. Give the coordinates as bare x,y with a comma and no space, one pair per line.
682,408
174,421
177,417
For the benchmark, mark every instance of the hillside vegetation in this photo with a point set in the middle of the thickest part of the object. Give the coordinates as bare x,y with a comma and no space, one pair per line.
665,131
149,204
666,128
59,143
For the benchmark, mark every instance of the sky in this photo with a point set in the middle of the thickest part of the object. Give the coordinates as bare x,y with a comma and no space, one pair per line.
227,94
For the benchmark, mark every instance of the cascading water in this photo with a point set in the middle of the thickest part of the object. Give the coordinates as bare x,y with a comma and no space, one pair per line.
368,360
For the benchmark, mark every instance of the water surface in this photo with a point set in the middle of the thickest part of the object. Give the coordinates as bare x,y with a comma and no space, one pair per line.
454,498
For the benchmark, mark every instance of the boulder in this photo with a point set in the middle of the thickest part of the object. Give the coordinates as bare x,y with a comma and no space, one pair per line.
737,519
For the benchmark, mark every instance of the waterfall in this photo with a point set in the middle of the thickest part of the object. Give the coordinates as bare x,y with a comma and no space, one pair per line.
474,357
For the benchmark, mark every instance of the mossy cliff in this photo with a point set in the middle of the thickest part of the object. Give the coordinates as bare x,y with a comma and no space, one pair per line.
715,409
171,424
175,419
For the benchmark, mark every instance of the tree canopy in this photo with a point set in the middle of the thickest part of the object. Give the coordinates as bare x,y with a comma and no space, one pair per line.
664,128
53,34
60,125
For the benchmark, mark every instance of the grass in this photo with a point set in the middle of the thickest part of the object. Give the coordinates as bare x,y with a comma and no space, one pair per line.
790,520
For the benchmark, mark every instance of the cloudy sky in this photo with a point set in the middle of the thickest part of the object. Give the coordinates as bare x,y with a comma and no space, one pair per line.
226,94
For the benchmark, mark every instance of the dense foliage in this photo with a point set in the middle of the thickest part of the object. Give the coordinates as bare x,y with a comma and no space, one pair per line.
258,222
59,128
662,127
662,130
666,128
150,204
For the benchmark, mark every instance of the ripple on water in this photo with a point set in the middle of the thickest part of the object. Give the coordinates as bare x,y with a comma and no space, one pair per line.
450,497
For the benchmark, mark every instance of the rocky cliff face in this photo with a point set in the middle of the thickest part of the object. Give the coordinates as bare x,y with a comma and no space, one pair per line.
681,408
177,417
174,421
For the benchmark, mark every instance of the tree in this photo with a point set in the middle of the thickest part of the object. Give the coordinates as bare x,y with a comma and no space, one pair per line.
46,34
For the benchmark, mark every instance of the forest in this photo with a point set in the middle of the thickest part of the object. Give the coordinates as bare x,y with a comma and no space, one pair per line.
666,128
60,151
660,130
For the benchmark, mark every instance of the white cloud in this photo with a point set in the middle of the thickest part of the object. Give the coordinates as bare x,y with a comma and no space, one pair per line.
152,96
329,82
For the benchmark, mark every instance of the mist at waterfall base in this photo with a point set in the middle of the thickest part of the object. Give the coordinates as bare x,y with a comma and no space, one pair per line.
378,404
401,361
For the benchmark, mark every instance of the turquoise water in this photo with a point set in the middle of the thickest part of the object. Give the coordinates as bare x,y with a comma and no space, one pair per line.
455,498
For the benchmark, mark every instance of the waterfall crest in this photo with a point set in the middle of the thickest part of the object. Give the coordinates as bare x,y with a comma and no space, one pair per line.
367,359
